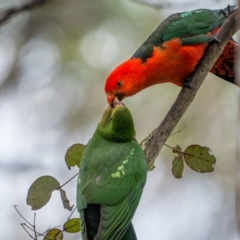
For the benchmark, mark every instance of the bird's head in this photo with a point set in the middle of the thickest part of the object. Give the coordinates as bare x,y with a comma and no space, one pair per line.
124,81
117,123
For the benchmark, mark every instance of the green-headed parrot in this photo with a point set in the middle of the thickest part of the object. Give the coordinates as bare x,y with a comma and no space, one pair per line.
112,175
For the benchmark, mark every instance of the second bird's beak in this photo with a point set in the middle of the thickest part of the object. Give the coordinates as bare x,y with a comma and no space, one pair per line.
111,98
116,103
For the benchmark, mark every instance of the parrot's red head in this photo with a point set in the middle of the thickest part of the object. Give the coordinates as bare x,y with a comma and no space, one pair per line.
125,80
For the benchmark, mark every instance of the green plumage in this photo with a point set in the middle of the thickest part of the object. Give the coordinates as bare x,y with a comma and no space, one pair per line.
191,27
111,179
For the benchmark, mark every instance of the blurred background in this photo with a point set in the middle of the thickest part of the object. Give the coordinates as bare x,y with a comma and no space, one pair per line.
53,65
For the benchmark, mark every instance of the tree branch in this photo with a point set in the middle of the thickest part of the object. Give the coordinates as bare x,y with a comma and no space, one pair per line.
186,96
26,5
237,168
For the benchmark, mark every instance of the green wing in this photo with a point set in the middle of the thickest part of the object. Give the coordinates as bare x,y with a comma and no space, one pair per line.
195,24
112,175
191,27
116,219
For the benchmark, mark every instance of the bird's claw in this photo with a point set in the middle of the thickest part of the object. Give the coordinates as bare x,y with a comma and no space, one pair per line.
228,13
224,13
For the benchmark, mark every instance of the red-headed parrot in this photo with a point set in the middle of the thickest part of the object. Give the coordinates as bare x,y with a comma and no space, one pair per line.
171,54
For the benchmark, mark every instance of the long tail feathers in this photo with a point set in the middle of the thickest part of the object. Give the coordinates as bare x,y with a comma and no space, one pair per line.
90,219
224,66
130,234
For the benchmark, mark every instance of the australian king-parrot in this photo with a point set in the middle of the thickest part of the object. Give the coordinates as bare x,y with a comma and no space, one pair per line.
172,52
112,175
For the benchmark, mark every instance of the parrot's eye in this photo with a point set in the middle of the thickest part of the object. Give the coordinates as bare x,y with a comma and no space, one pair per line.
110,119
119,83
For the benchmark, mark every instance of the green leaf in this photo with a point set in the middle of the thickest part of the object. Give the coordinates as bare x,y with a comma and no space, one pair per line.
74,154
199,159
66,203
54,234
40,191
177,164
72,225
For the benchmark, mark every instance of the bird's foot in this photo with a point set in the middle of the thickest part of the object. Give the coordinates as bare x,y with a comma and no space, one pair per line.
228,13
224,13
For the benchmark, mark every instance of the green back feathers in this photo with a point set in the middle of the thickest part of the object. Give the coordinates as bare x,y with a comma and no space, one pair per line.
191,27
116,124
197,22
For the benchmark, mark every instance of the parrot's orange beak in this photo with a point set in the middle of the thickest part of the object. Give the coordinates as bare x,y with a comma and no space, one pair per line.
110,99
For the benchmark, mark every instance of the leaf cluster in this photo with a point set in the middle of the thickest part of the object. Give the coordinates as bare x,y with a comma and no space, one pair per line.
40,193
196,157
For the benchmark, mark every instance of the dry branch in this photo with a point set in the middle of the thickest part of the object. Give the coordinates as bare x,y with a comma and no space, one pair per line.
186,96
237,186
26,5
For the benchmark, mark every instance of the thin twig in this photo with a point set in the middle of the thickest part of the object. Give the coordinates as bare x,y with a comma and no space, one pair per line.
175,132
186,96
24,6
24,224
15,206
34,226
31,227
72,212
68,181
174,149
48,230
24,227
